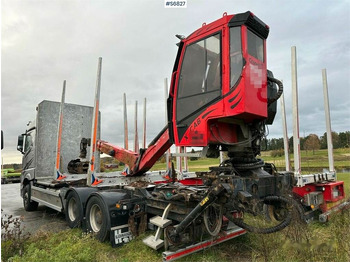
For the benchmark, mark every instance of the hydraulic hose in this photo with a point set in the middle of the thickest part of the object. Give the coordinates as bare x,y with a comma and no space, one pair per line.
247,166
280,89
179,196
269,230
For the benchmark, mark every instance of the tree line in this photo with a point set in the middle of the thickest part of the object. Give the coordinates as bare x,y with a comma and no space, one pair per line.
311,142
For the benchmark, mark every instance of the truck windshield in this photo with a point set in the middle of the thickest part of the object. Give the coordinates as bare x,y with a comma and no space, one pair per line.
236,61
200,77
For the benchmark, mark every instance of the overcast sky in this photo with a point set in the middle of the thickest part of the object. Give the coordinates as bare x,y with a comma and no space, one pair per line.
46,42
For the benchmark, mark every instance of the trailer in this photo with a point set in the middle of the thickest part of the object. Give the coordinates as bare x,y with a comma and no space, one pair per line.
221,98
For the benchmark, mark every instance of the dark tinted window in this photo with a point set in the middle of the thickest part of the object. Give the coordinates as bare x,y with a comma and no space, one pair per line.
28,142
236,60
255,46
200,76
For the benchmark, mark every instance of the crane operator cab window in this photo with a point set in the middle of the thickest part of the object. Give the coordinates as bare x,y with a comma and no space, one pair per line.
255,46
255,49
236,58
200,77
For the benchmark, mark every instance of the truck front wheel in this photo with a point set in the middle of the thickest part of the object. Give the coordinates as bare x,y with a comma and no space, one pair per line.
97,218
73,210
28,204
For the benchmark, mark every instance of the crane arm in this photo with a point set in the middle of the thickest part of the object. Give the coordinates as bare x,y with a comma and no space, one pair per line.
138,163
123,155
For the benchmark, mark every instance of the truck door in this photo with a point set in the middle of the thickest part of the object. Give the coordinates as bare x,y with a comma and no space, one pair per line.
26,145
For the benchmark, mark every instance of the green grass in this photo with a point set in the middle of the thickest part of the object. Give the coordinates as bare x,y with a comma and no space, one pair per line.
314,162
74,245
346,178
298,242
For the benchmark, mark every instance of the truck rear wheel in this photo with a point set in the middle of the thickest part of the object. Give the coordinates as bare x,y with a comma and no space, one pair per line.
73,210
97,218
28,204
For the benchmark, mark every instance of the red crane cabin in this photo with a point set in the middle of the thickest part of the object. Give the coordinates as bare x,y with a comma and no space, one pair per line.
219,81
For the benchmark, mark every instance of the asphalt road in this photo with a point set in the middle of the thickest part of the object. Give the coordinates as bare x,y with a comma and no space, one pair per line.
44,219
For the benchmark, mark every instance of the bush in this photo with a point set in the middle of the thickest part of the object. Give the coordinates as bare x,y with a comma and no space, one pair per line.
13,239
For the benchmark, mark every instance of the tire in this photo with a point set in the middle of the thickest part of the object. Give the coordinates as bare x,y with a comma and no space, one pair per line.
73,210
97,218
28,204
213,219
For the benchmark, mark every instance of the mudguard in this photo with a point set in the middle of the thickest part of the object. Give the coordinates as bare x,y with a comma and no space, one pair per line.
122,205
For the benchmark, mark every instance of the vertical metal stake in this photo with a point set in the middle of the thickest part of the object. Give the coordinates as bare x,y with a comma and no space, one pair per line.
328,121
167,155
144,124
91,176
285,133
296,138
221,157
185,160
57,172
136,139
126,136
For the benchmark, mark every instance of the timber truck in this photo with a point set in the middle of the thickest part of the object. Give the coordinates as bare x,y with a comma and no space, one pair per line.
221,98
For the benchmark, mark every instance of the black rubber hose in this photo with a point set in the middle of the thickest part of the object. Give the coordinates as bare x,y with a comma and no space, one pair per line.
269,230
280,89
300,209
247,166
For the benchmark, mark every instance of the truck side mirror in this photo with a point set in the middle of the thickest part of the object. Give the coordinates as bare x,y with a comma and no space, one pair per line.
20,143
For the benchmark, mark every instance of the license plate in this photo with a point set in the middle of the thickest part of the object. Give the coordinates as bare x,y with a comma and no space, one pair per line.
121,238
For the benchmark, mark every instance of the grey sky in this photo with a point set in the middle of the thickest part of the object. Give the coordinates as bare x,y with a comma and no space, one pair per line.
45,42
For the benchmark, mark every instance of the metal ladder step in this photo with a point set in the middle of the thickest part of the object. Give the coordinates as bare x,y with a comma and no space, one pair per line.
160,222
155,241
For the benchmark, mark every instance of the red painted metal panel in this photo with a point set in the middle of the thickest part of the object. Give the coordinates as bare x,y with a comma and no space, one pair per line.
302,191
333,191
